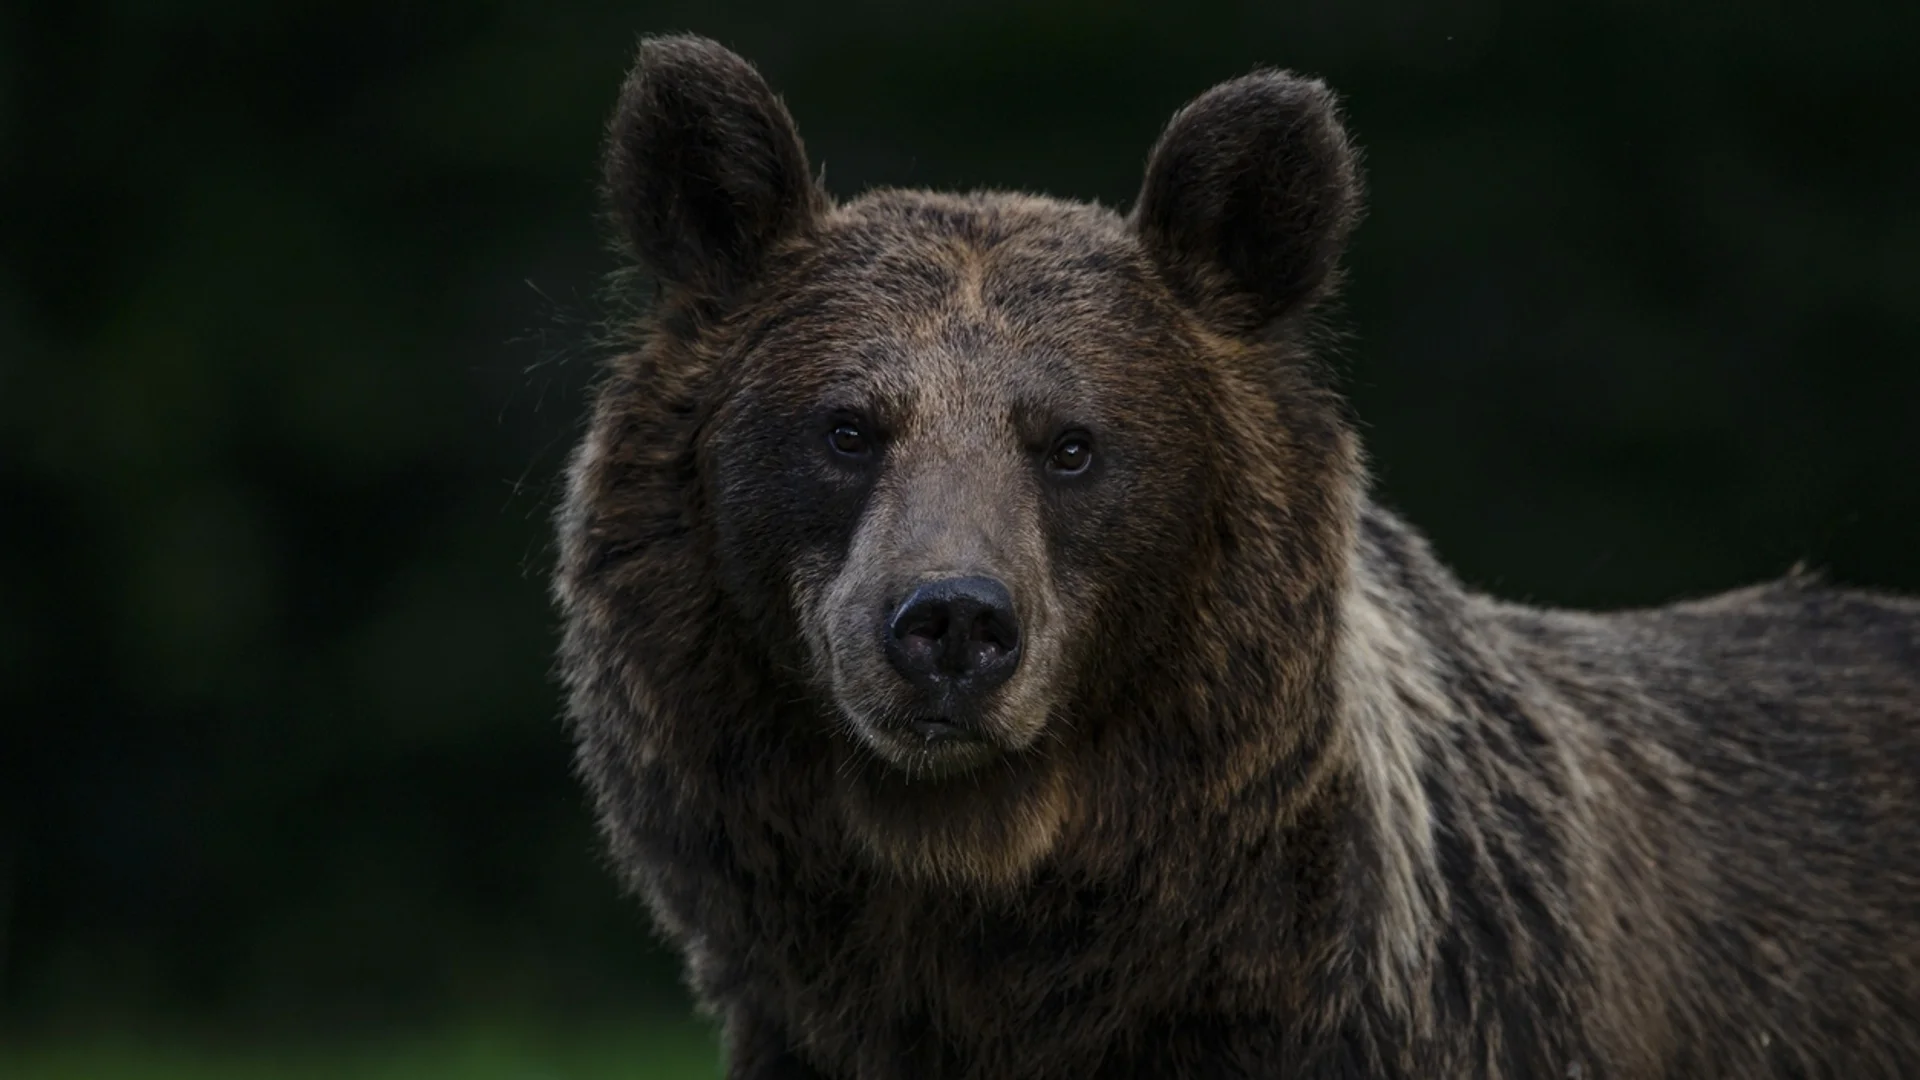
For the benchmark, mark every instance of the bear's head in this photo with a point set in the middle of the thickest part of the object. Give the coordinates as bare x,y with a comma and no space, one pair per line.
963,486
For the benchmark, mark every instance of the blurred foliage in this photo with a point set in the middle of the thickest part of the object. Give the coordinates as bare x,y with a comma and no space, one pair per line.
665,1048
296,304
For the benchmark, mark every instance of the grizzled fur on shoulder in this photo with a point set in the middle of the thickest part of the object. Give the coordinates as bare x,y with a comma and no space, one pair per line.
987,662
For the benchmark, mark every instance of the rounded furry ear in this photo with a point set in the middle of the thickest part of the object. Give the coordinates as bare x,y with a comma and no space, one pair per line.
704,171
1249,196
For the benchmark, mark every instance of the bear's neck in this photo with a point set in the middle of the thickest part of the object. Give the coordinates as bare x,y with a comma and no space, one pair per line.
1319,763
1393,697
1444,733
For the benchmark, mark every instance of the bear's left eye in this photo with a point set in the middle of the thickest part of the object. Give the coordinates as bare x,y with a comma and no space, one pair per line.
1071,455
848,440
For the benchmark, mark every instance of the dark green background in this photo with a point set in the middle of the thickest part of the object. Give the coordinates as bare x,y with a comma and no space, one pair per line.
295,310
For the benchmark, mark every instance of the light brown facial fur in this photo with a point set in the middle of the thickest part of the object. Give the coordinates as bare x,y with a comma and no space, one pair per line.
964,338
961,423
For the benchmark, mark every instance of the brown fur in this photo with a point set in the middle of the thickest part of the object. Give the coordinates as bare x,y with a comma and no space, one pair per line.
1269,794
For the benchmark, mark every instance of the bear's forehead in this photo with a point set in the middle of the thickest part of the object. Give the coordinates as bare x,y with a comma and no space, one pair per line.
961,271
1023,255
971,306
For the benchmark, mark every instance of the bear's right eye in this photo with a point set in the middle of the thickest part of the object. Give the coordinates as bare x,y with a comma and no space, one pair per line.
848,441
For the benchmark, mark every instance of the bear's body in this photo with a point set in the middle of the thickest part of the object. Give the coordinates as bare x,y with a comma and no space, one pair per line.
1205,767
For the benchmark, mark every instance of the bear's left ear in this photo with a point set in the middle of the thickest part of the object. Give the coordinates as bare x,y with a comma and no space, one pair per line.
1249,197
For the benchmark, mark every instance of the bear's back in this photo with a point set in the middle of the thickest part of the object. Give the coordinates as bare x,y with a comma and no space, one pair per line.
1772,736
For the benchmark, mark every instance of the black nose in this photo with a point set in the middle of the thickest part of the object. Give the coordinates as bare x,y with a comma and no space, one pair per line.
960,633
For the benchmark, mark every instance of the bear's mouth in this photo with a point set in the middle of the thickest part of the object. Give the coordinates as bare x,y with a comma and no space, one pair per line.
937,730
929,744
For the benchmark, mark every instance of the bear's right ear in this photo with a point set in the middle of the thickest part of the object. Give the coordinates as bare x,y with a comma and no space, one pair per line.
1248,199
704,172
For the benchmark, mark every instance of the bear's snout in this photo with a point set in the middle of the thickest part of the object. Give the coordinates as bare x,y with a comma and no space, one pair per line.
955,638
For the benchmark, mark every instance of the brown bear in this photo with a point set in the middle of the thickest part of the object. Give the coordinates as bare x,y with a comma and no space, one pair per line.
988,662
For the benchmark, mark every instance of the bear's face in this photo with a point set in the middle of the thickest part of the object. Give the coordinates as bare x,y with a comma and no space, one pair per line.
951,462
956,457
